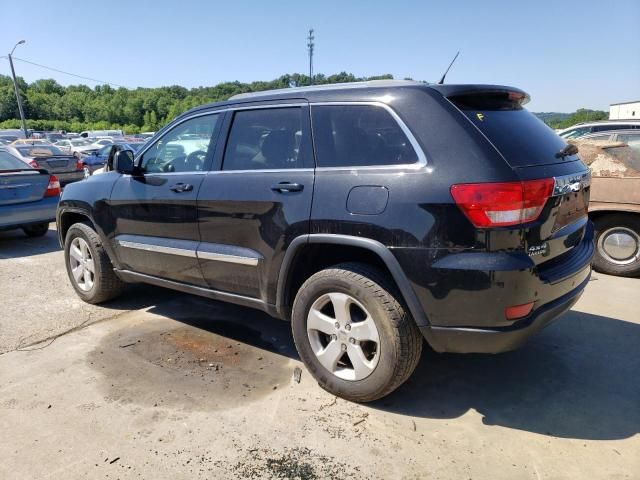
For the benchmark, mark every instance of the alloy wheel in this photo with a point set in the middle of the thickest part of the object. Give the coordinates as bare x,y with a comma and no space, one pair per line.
343,336
82,264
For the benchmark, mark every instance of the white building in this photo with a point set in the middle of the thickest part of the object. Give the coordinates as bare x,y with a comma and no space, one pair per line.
624,111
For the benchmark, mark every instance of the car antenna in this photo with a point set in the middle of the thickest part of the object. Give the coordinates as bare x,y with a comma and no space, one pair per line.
447,70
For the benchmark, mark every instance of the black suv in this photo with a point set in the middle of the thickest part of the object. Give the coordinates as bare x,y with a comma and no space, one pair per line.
370,215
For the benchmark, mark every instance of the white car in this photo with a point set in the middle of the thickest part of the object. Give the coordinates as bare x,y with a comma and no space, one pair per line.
585,128
77,146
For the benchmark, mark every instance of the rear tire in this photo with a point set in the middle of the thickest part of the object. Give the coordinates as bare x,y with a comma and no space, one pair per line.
382,338
89,267
37,230
617,239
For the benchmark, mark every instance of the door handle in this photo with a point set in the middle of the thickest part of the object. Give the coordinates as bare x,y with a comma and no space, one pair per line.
286,187
181,187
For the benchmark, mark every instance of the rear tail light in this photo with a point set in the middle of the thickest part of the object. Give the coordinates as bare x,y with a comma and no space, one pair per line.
53,189
503,204
518,311
34,164
79,164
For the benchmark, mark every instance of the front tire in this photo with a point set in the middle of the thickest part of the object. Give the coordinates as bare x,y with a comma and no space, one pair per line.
89,267
37,230
617,245
353,334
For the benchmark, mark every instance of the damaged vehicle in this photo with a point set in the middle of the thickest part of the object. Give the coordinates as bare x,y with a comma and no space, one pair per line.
371,215
615,202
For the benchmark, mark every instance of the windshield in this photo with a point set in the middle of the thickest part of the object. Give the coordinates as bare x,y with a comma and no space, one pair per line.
80,143
40,150
521,138
9,162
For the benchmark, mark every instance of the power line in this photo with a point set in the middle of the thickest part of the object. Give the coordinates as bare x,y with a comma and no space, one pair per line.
68,73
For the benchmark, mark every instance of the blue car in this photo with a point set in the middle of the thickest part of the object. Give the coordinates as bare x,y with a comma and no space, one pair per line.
97,159
28,196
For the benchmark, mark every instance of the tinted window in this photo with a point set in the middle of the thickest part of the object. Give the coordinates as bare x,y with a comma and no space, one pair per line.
521,137
265,139
359,135
182,149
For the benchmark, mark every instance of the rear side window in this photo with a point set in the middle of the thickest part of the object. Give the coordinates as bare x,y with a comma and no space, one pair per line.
266,139
521,138
359,135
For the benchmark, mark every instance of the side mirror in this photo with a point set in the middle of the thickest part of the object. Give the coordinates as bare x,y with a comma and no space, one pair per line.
123,162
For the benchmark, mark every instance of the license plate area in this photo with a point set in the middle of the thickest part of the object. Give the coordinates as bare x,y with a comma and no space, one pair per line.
58,163
573,192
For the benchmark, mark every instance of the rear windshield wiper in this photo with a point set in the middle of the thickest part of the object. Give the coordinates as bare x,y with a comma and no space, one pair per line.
567,151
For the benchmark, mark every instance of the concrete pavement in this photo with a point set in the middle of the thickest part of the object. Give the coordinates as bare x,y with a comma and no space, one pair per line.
172,386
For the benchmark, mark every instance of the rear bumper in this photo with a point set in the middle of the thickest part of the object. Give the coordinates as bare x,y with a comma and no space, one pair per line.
70,177
464,296
496,340
18,215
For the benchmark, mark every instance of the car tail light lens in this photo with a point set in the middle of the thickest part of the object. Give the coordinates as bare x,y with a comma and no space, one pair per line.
503,204
518,311
53,189
34,164
79,164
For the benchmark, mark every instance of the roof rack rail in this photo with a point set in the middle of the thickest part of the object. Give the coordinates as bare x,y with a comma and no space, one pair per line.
327,86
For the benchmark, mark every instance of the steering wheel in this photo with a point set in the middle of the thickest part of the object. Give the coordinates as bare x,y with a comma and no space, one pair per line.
195,160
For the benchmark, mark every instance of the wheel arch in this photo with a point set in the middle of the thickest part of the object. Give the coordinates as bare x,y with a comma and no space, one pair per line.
370,251
68,217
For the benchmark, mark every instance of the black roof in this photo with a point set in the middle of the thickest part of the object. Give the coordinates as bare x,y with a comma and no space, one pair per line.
362,91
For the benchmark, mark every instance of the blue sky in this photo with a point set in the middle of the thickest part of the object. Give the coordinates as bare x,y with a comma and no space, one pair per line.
566,54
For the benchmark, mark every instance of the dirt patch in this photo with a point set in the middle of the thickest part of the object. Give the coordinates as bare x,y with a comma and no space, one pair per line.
166,363
294,463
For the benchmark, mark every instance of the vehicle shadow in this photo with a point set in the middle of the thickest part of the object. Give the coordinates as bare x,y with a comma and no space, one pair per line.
577,379
240,324
15,244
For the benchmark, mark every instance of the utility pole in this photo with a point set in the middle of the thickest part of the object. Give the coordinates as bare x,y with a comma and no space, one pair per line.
310,46
15,86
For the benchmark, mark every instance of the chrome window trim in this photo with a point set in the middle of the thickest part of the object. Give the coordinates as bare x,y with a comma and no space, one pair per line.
157,248
421,163
263,170
422,158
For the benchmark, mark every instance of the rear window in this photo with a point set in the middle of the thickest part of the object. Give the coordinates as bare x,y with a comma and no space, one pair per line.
9,162
522,138
39,151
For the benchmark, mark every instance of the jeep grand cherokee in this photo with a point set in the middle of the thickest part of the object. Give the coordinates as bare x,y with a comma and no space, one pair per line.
370,215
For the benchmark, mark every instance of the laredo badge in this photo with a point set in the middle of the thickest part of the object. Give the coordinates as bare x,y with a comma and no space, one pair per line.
535,250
